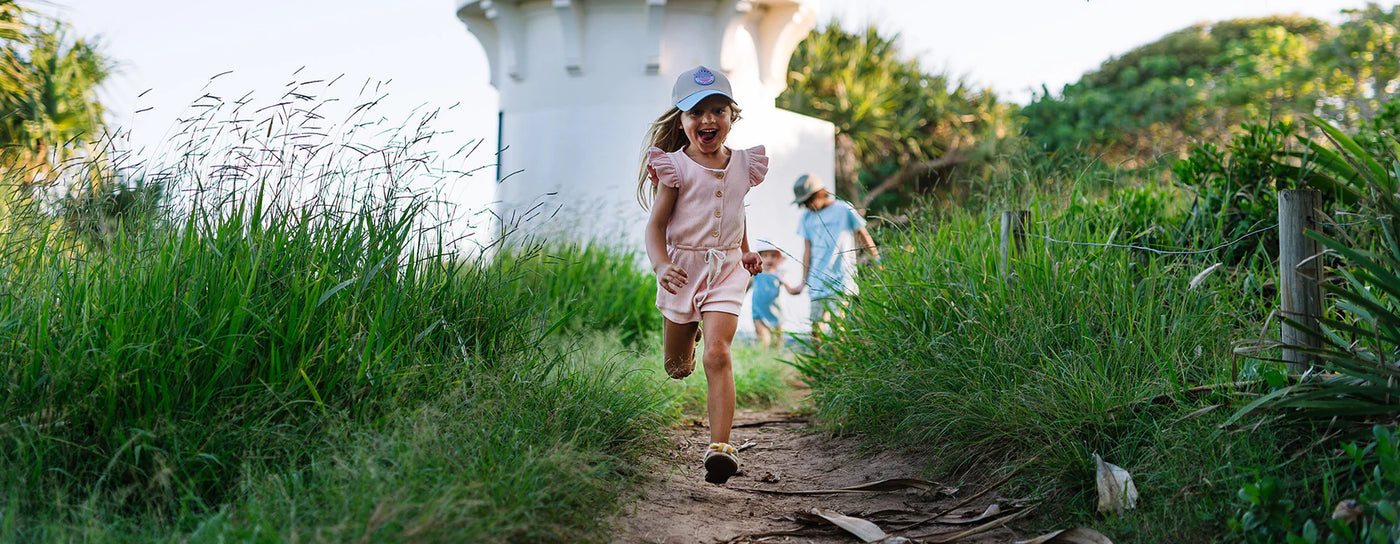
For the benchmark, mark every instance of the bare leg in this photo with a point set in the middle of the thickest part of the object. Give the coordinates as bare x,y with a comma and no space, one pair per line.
777,337
761,331
678,343
719,373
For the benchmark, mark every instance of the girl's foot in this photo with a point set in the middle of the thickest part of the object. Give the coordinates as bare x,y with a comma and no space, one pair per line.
677,369
721,462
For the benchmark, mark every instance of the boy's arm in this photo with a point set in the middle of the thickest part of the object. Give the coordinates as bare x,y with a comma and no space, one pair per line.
864,241
862,236
806,266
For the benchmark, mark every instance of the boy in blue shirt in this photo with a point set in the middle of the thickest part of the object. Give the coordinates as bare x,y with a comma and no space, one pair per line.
830,227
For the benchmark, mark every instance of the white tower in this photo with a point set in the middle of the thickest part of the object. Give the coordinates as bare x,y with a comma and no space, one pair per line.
580,82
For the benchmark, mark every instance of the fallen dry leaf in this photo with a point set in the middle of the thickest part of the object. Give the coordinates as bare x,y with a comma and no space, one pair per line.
993,510
862,529
1197,413
999,522
1347,510
1077,535
1116,490
881,486
967,500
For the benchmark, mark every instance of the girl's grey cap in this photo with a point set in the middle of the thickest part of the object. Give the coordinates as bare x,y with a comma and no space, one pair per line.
806,186
695,84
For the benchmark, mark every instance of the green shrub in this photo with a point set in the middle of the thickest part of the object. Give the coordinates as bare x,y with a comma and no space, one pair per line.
1236,188
1370,513
1356,388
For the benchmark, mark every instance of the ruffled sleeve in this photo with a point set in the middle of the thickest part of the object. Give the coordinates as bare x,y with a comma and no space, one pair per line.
663,167
758,165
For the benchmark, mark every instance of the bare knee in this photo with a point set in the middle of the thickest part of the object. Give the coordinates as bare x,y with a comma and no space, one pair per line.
717,357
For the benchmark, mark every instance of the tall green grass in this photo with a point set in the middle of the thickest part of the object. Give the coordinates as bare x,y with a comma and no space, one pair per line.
597,287
1084,350
289,349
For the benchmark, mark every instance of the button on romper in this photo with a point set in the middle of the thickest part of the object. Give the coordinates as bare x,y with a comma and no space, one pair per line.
706,230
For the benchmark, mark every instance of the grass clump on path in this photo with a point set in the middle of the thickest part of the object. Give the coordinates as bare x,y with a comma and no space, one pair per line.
597,287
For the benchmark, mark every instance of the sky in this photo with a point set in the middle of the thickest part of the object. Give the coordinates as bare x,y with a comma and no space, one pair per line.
167,50
1015,46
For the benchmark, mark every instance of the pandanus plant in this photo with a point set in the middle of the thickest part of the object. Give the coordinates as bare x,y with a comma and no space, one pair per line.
1359,353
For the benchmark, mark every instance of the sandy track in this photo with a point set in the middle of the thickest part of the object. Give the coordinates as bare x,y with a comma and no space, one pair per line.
677,507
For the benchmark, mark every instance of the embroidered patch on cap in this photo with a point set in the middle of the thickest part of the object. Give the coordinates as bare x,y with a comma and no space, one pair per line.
704,77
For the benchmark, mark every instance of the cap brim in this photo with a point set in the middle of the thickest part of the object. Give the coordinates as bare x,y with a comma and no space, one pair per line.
690,101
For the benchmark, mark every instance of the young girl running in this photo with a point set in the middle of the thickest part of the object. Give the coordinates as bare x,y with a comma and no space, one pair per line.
697,241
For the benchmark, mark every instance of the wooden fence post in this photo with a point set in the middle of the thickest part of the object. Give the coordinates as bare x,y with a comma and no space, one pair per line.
1300,271
1013,231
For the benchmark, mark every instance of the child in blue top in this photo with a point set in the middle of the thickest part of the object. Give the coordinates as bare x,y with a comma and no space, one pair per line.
767,308
828,228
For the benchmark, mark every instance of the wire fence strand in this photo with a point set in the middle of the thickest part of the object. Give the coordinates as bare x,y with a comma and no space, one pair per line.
1155,250
1195,251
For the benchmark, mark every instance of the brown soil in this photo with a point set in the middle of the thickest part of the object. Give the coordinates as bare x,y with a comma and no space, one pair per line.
677,506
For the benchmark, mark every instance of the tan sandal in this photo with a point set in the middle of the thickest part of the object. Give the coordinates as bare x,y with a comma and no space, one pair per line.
721,462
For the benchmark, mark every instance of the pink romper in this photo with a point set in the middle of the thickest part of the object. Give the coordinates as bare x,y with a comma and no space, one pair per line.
706,230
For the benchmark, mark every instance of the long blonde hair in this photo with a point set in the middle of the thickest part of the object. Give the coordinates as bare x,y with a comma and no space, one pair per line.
667,134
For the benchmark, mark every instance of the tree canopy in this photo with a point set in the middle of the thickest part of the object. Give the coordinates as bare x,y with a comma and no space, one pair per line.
1197,83
896,123
48,88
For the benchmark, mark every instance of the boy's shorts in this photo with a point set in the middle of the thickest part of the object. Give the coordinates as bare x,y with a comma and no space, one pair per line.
826,309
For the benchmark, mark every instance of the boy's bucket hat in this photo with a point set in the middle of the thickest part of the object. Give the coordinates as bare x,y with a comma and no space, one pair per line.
806,186
763,245
696,84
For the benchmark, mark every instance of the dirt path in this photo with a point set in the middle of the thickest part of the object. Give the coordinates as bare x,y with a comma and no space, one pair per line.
677,506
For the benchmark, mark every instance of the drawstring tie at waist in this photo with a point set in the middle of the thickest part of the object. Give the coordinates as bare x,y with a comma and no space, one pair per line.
714,263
